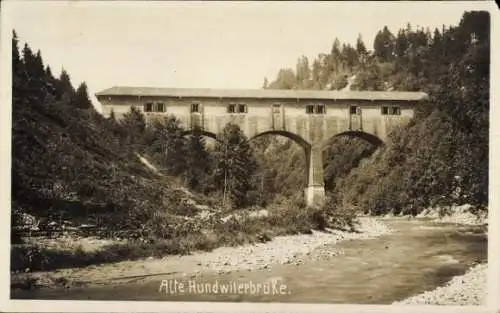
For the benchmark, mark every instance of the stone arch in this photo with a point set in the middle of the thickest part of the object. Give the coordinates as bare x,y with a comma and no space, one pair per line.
296,138
203,132
373,139
375,142
315,190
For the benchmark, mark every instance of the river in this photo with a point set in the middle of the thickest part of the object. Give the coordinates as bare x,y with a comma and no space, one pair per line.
417,256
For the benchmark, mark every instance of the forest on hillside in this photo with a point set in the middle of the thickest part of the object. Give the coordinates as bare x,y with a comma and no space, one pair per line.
440,158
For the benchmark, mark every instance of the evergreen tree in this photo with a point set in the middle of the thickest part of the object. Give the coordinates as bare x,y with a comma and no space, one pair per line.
401,44
19,76
361,49
360,45
235,165
383,45
335,54
16,58
36,91
64,87
51,82
350,56
436,45
81,98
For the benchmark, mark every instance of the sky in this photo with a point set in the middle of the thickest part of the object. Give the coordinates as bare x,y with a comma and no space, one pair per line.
202,44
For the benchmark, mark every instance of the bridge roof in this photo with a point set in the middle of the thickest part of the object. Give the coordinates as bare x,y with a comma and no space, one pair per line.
263,93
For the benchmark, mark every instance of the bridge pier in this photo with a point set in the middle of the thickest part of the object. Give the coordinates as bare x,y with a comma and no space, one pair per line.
315,190
315,196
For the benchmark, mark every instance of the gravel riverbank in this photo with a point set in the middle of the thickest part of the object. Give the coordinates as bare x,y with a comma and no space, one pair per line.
286,249
468,289
456,215
282,249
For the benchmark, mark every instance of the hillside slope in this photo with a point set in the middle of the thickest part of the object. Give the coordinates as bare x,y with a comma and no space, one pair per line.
70,163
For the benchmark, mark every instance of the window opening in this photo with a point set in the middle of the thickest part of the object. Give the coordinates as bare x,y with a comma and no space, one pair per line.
320,109
277,108
195,107
160,107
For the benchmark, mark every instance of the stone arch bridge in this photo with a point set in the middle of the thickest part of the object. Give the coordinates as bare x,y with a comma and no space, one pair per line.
308,117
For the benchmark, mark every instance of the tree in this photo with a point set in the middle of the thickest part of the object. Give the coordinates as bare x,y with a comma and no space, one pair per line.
401,46
168,143
285,80
16,58
265,85
361,49
197,160
369,79
64,88
81,98
349,56
335,54
134,126
19,75
36,91
383,45
436,45
112,115
235,165
303,73
51,82
316,75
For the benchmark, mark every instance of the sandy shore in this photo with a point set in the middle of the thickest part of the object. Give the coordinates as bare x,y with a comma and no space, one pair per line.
468,289
282,249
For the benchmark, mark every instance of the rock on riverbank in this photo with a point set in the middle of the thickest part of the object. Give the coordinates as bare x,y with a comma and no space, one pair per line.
468,289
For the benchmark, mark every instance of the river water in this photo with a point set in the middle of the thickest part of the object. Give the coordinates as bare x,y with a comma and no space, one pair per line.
418,256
